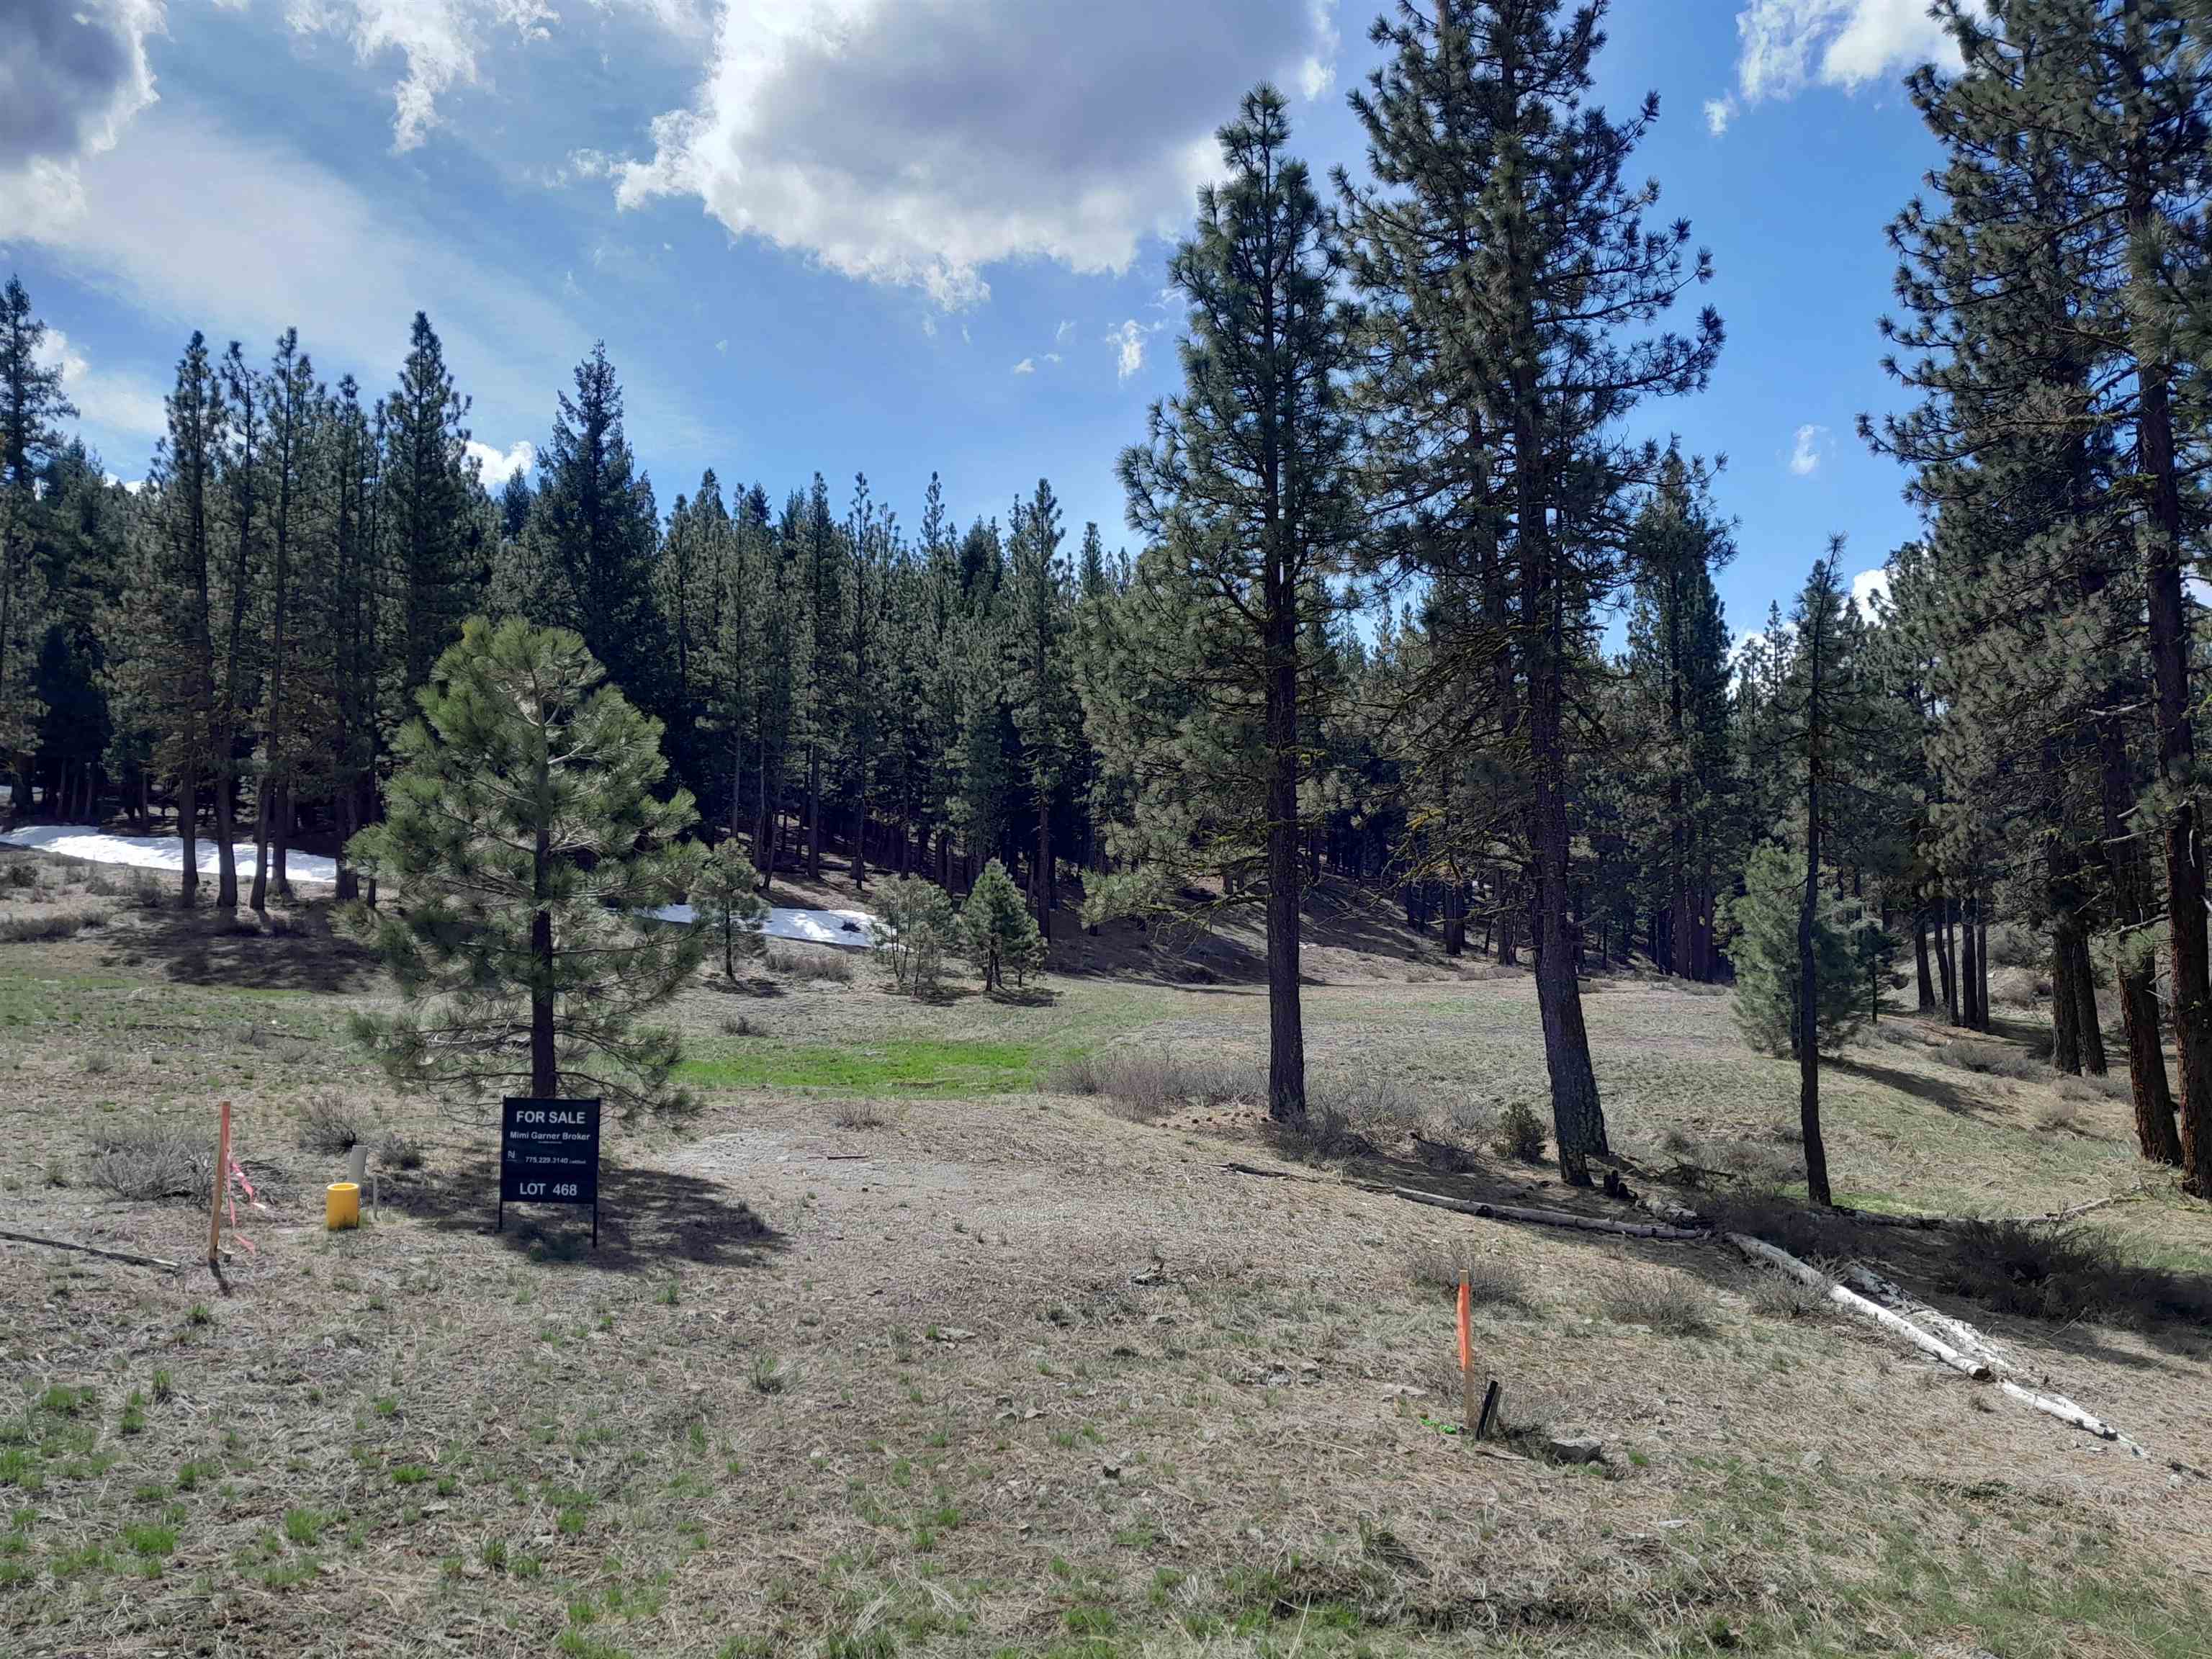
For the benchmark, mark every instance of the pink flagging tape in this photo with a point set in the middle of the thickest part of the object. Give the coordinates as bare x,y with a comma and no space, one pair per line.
236,1178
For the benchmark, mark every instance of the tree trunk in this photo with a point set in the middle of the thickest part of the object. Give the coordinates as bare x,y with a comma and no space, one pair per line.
544,1070
1920,959
2065,1000
279,839
2085,995
1809,977
263,806
348,815
2168,618
1969,977
226,833
188,826
813,814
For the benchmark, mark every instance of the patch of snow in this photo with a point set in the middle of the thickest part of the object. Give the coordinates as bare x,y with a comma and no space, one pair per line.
156,852
852,929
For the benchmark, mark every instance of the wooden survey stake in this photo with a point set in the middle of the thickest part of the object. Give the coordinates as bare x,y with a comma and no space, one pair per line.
548,1153
1466,1350
217,1188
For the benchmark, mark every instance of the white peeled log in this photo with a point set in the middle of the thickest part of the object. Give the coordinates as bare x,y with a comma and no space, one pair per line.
1853,1301
2066,1411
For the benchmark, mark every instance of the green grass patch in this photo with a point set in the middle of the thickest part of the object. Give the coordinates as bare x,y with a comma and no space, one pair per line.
892,1066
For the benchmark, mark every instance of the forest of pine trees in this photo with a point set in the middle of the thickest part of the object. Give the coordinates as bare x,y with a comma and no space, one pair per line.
1411,608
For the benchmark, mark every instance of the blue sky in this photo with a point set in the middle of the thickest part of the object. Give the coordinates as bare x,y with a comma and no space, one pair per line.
883,235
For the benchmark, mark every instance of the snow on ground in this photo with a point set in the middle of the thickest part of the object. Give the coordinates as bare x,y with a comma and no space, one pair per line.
156,852
853,929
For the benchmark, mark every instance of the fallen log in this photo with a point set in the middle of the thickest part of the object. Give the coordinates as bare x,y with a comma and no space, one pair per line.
1852,1302
1544,1218
2066,1411
131,1256
1895,1296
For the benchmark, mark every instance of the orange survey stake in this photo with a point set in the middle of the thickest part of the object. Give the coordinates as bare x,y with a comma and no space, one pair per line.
1466,1336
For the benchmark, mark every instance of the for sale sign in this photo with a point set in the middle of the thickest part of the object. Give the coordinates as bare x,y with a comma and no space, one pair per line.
548,1153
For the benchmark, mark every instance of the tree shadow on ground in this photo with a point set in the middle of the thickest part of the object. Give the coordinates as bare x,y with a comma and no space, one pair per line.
298,950
648,1218
1935,1091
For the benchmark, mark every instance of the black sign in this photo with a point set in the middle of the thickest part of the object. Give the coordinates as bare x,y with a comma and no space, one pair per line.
548,1153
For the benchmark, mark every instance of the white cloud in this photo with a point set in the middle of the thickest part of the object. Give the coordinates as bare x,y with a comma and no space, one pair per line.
439,41
71,79
1052,356
1027,366
1717,114
1806,454
1128,343
1869,588
995,130
159,219
722,347
497,467
1318,74
1065,332
1789,44
124,404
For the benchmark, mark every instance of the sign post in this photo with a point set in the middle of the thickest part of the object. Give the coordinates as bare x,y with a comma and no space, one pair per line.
548,1153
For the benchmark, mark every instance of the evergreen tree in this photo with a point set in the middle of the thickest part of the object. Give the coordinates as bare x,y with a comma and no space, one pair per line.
727,898
594,534
530,852
1040,694
428,507
31,406
1001,935
1766,951
1242,489
169,673
1517,294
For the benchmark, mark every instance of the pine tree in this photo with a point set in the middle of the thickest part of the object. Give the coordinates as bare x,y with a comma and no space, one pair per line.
727,899
1517,296
1001,935
1677,673
1041,697
529,849
1243,491
1767,953
292,399
168,674
594,534
31,406
429,507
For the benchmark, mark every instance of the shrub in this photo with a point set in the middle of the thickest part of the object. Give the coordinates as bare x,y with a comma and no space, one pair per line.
915,925
1491,1283
1148,1085
2066,1273
19,876
1521,1133
813,962
142,1159
1666,1302
1764,952
328,1124
40,930
398,1151
1000,936
1992,1059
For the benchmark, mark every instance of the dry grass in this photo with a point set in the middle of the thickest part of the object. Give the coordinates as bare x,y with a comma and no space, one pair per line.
144,1160
1145,1086
818,963
858,1115
1491,1281
1670,1303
